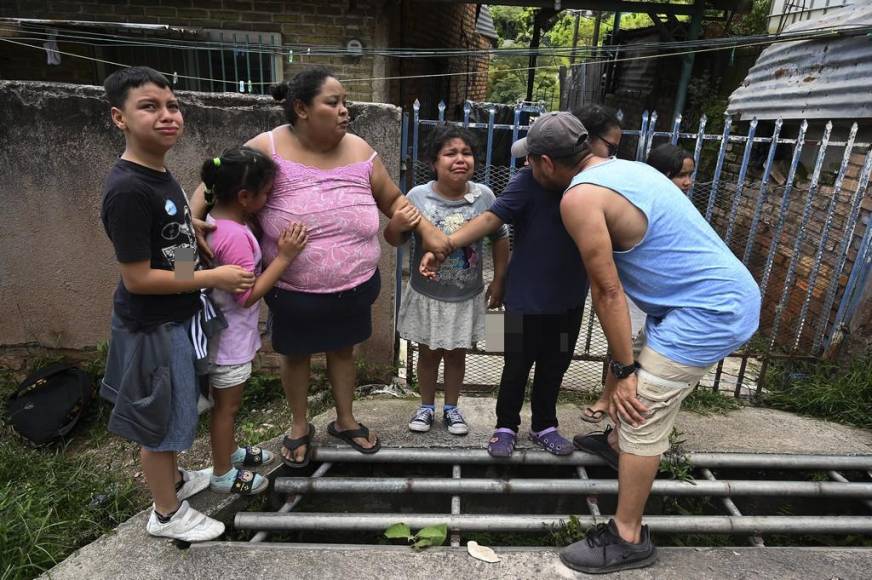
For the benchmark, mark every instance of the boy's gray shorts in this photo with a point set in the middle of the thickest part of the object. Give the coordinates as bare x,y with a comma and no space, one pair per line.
182,428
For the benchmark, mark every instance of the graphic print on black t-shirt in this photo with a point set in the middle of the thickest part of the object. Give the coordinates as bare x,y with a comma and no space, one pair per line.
180,234
146,216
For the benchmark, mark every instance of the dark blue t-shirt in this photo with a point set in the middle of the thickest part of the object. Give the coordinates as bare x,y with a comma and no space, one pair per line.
546,274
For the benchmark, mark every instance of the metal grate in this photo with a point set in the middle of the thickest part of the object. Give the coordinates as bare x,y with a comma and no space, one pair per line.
464,516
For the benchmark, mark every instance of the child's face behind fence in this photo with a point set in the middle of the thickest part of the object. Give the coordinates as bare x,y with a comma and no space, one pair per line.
683,178
455,162
150,117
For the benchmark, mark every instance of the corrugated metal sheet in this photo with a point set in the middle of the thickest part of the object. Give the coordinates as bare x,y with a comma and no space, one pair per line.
812,79
485,23
637,78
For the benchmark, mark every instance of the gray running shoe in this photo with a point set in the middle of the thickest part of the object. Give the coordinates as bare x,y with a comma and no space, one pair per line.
604,551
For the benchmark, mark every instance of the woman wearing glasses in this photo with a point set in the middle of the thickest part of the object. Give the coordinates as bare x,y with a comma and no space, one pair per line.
603,127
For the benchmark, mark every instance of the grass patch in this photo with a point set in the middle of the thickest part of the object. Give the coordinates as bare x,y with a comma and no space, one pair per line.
840,393
54,505
710,402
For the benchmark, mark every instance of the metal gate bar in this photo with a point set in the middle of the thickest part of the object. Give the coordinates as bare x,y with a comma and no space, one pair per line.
540,523
592,502
291,502
451,456
731,508
836,476
726,488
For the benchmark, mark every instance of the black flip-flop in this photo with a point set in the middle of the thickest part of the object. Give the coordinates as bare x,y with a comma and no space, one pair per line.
294,444
349,435
590,415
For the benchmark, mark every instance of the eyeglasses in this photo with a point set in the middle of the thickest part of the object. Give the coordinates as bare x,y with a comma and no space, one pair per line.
612,148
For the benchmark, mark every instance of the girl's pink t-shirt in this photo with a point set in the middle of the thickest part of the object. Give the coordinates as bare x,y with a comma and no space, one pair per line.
234,243
339,211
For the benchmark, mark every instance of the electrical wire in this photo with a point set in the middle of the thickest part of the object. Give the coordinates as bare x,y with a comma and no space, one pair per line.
699,47
323,50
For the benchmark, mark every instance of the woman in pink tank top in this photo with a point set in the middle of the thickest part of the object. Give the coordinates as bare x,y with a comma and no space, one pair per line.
334,183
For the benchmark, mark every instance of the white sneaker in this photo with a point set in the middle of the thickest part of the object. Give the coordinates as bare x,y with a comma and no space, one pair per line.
195,482
187,525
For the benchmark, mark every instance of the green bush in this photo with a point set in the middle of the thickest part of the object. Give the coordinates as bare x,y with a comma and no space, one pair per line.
51,504
840,393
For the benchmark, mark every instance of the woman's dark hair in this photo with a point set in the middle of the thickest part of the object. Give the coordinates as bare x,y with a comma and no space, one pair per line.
304,87
597,119
119,83
668,159
442,134
237,169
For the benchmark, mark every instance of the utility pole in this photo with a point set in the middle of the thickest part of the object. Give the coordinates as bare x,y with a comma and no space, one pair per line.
538,23
575,37
687,64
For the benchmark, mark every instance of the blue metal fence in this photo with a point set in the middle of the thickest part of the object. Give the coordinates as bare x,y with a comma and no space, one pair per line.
804,236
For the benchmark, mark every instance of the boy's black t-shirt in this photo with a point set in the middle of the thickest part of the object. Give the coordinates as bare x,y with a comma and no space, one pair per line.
146,216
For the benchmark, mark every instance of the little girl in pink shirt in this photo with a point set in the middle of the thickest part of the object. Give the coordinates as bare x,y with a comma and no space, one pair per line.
237,185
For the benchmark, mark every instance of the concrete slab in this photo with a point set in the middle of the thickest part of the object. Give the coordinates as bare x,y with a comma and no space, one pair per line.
748,429
225,560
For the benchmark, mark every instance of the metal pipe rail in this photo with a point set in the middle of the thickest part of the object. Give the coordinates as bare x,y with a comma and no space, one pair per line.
291,503
451,456
726,488
732,509
537,523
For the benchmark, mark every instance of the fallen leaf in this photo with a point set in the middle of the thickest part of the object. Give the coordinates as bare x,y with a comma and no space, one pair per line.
482,553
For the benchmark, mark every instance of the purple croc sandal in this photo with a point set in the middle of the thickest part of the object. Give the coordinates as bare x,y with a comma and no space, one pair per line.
552,441
502,443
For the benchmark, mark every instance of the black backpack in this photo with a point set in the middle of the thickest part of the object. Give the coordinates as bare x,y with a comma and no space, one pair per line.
49,403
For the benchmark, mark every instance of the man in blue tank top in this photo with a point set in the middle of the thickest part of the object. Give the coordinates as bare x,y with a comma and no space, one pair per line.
638,233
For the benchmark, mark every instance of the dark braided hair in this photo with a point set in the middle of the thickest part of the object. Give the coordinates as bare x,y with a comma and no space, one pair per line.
237,169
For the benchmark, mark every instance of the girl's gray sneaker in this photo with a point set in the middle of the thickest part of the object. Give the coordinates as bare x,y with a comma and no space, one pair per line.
604,551
422,420
455,422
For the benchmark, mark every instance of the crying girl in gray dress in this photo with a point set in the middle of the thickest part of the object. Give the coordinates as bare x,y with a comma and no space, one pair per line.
445,315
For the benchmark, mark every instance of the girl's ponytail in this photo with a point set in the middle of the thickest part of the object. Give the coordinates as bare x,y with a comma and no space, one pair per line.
236,169
209,174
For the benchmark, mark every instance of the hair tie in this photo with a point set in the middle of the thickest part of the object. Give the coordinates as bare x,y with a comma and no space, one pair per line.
217,161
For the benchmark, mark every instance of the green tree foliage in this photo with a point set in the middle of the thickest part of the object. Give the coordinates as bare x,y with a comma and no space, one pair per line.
514,24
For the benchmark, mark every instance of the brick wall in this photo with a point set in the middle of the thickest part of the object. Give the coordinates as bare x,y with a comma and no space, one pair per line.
434,24
299,22
306,22
810,231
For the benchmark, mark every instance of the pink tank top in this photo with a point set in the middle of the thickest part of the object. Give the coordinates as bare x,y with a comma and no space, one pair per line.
339,211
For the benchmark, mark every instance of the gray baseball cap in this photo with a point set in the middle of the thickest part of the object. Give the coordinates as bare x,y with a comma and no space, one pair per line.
556,134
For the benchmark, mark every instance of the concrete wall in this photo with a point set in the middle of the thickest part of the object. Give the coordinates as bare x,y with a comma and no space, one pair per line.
57,267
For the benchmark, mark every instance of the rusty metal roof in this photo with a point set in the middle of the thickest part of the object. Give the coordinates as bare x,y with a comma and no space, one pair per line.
812,79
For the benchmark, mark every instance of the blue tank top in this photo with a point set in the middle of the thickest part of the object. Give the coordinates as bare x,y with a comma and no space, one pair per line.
700,300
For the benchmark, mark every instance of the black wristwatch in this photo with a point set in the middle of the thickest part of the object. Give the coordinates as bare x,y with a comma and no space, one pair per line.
622,371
